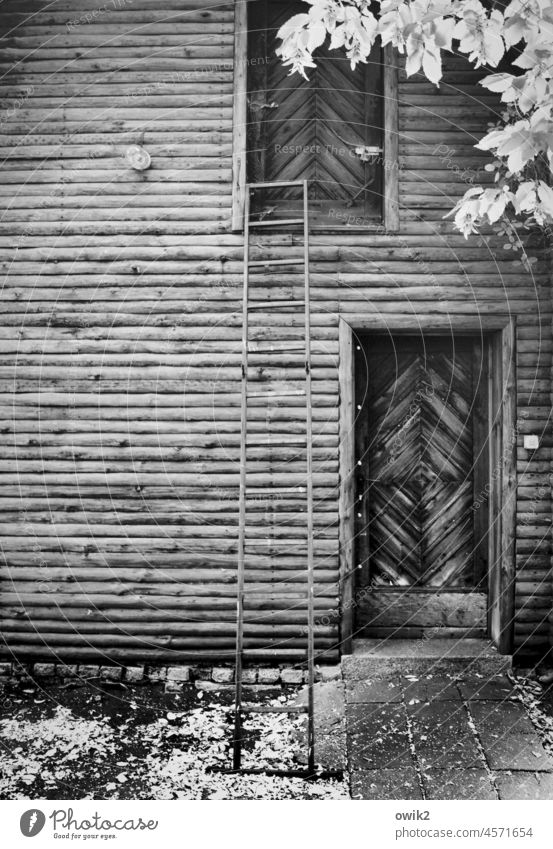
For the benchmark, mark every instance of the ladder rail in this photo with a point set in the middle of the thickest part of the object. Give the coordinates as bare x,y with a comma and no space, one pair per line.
237,738
309,494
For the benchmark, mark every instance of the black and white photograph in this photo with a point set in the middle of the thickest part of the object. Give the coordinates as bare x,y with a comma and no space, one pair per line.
276,367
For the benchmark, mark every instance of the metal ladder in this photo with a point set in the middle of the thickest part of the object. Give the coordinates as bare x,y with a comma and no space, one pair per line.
240,708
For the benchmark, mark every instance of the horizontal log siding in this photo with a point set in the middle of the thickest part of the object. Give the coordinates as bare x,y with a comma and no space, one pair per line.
120,374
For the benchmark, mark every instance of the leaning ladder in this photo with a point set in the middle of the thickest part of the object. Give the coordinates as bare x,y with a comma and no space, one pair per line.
240,708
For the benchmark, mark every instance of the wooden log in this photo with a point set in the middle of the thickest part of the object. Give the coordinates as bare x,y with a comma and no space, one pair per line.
148,654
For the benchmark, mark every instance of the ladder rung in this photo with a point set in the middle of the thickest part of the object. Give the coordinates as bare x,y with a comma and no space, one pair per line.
281,652
307,774
262,305
254,542
293,349
273,442
258,262
258,490
275,184
290,599
274,708
276,222
272,594
296,393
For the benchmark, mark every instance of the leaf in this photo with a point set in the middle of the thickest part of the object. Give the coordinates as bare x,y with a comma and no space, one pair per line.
497,82
513,30
525,196
292,25
415,52
470,193
497,208
317,35
444,33
338,38
491,139
494,47
545,194
432,66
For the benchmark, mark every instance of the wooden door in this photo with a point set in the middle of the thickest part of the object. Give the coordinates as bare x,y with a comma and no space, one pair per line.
421,449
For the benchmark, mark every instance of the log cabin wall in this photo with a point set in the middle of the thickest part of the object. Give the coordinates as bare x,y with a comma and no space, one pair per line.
122,325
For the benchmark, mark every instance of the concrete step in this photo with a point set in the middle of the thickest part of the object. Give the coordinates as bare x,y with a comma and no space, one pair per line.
379,658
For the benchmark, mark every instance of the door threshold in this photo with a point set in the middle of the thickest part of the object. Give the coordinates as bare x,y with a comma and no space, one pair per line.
435,647
464,657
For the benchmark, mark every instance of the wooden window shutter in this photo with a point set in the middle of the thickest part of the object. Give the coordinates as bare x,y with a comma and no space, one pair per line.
310,129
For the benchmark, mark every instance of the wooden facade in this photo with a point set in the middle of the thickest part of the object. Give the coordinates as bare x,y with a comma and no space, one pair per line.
121,343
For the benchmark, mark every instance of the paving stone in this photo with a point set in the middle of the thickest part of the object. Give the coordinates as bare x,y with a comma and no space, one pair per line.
157,674
442,735
385,784
44,670
249,676
134,674
268,676
432,689
442,710
377,736
223,674
111,673
457,784
212,685
367,692
329,673
495,719
498,688
88,671
66,670
178,673
330,723
516,752
291,676
525,785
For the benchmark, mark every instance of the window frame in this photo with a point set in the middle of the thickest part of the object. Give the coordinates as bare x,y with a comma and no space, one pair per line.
390,204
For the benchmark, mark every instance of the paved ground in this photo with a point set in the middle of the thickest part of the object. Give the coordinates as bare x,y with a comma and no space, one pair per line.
445,731
430,736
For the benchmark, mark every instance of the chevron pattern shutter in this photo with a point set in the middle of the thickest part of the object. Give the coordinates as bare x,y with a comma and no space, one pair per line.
299,129
419,454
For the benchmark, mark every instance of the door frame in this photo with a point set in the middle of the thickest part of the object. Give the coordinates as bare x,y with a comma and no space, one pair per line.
500,330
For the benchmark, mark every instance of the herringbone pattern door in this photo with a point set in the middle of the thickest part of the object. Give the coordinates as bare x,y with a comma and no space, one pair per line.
309,129
417,448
